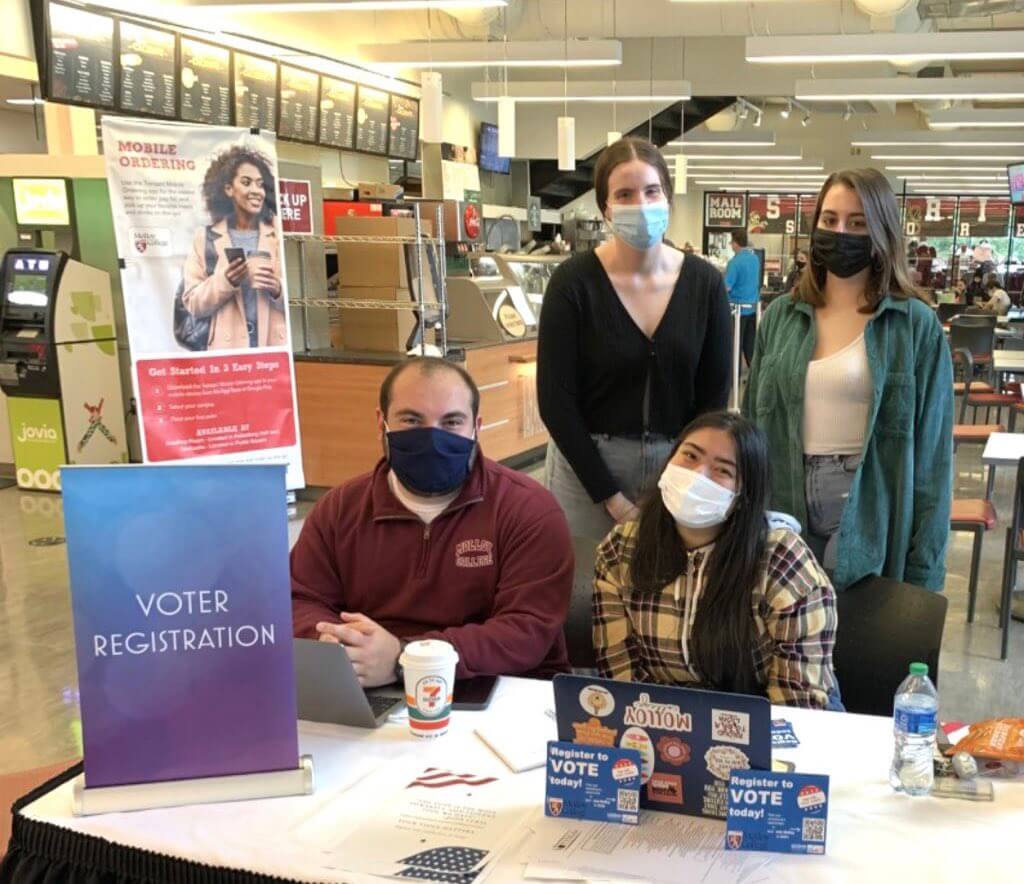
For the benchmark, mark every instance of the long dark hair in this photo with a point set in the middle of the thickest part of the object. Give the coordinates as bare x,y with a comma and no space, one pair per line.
723,632
890,272
222,172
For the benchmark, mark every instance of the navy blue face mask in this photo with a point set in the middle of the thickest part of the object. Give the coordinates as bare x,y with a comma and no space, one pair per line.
428,460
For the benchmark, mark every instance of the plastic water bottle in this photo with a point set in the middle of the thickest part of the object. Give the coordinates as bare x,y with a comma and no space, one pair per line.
915,713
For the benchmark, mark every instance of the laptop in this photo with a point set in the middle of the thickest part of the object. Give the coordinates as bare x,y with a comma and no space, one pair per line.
328,690
689,740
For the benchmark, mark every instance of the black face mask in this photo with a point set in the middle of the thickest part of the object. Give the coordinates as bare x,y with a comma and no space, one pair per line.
842,254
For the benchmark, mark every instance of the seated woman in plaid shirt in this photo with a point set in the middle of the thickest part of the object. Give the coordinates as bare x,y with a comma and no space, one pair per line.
701,591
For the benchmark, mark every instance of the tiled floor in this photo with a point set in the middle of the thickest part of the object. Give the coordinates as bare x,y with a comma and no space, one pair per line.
39,721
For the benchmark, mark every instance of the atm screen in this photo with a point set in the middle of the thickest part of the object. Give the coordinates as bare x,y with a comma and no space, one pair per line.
28,290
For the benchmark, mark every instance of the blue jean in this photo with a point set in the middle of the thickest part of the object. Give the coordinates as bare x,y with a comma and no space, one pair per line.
827,482
635,464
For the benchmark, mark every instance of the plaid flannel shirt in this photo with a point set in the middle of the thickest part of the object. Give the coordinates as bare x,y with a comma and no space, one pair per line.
638,637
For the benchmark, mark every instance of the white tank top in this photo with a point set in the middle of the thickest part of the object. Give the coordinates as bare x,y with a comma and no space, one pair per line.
837,398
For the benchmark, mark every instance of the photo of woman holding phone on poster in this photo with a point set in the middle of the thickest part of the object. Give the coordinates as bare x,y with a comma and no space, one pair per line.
232,275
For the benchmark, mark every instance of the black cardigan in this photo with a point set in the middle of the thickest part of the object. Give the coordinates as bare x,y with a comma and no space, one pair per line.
593,362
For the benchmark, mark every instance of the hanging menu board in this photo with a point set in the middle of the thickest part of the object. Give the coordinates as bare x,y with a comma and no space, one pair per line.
372,120
337,113
205,83
148,82
299,99
929,216
404,137
772,214
984,216
80,62
255,92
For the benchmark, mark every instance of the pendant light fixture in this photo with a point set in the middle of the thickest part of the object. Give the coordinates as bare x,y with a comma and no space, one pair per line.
431,100
679,186
566,124
506,106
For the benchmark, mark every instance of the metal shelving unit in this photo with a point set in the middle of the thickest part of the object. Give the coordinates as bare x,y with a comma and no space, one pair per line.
420,304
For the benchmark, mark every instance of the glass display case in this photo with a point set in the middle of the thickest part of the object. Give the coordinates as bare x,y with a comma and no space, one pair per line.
531,273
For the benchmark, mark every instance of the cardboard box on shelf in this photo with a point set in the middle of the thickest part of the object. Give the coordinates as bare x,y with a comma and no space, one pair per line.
373,190
385,331
376,264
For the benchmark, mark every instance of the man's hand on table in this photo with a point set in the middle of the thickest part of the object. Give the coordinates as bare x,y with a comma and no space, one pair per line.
372,649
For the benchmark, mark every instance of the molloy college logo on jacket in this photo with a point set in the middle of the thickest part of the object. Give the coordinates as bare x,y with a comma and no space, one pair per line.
474,553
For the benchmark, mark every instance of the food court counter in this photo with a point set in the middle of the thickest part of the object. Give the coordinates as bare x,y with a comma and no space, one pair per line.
337,392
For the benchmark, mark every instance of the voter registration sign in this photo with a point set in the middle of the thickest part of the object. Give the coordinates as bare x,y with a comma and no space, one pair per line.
183,621
600,784
784,813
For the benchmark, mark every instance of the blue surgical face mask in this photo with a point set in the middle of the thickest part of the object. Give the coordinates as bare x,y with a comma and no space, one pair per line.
428,460
641,226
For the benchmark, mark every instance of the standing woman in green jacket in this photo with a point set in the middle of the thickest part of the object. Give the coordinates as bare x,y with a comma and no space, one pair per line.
853,383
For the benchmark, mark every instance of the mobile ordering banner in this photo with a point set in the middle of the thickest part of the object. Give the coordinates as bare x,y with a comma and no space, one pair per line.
199,234
183,626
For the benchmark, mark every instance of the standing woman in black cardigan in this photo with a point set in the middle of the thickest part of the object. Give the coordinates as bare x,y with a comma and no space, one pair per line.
635,342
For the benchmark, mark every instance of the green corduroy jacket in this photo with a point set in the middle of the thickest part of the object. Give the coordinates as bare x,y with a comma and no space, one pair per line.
896,520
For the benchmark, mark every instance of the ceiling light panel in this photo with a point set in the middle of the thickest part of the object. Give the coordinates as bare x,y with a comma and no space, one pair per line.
839,48
897,138
983,88
470,53
554,91
725,139
343,5
976,119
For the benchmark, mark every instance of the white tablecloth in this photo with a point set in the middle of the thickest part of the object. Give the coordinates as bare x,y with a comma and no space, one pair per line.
874,835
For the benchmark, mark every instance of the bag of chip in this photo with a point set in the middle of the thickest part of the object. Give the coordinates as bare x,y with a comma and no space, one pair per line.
1001,739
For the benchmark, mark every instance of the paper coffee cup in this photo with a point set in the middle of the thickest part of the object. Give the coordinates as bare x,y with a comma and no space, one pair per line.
429,667
256,260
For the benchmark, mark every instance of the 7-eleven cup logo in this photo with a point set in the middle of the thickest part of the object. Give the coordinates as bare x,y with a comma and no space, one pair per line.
431,695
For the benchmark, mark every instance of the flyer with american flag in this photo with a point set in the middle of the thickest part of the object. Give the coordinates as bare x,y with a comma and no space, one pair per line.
441,823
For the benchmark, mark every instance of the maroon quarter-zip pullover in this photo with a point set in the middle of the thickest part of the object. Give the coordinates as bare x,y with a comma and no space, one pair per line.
492,574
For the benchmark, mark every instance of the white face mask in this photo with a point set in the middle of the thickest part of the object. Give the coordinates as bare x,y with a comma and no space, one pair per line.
693,499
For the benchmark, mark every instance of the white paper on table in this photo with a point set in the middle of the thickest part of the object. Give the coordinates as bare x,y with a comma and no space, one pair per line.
664,847
430,814
521,742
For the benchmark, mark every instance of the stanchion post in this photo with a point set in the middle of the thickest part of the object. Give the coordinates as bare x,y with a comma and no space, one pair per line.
736,320
302,288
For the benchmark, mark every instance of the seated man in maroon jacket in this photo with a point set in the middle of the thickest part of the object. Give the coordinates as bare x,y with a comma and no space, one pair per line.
437,542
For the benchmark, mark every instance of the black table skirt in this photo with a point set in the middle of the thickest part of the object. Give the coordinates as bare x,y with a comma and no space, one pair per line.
41,853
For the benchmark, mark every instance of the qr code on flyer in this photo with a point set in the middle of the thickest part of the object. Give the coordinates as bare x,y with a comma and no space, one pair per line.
814,829
628,801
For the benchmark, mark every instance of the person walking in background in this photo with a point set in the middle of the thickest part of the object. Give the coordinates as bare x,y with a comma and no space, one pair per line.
793,277
853,383
701,591
634,343
743,283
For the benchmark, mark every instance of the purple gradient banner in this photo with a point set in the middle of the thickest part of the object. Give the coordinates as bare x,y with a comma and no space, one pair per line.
182,610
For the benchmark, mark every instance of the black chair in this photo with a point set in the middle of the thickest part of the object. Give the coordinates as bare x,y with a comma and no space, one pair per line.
978,338
884,626
579,627
945,312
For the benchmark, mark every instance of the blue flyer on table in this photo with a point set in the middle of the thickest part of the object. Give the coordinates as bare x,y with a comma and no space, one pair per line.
782,734
596,783
784,813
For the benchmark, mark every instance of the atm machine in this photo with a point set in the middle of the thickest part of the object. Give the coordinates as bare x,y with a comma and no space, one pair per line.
59,366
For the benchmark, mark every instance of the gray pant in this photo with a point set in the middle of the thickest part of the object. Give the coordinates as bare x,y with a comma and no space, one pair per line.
635,464
827,481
